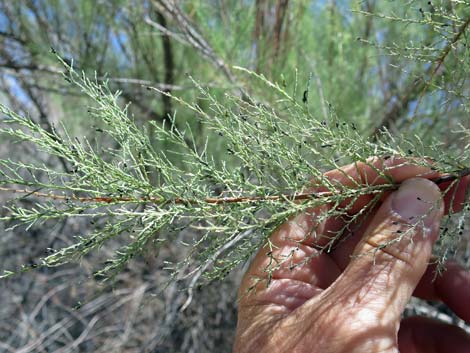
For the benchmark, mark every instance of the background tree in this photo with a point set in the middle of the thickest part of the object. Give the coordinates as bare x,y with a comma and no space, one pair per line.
328,76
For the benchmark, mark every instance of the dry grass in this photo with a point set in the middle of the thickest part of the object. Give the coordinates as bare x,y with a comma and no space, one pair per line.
62,310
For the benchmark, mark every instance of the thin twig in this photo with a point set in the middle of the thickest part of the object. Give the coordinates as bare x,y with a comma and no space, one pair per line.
200,271
224,200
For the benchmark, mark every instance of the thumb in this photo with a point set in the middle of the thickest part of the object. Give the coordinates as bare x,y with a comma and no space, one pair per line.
389,261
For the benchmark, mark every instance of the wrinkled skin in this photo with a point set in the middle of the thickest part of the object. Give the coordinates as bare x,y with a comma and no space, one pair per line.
351,299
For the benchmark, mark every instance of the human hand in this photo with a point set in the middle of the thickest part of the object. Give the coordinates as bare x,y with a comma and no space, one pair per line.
351,299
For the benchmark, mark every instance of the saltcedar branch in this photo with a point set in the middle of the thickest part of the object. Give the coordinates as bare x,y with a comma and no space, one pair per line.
440,60
224,200
419,89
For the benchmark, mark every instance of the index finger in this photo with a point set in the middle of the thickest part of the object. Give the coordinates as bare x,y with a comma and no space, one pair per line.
373,171
376,171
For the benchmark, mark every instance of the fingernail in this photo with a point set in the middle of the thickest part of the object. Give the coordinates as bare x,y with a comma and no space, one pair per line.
418,200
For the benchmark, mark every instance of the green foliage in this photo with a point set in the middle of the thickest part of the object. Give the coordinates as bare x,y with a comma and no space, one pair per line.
230,164
276,150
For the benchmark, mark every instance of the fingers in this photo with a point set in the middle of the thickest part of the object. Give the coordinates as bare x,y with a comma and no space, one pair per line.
292,249
424,335
452,288
394,252
376,171
288,243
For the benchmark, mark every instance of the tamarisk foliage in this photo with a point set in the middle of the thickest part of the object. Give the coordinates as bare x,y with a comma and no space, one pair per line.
275,152
142,193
